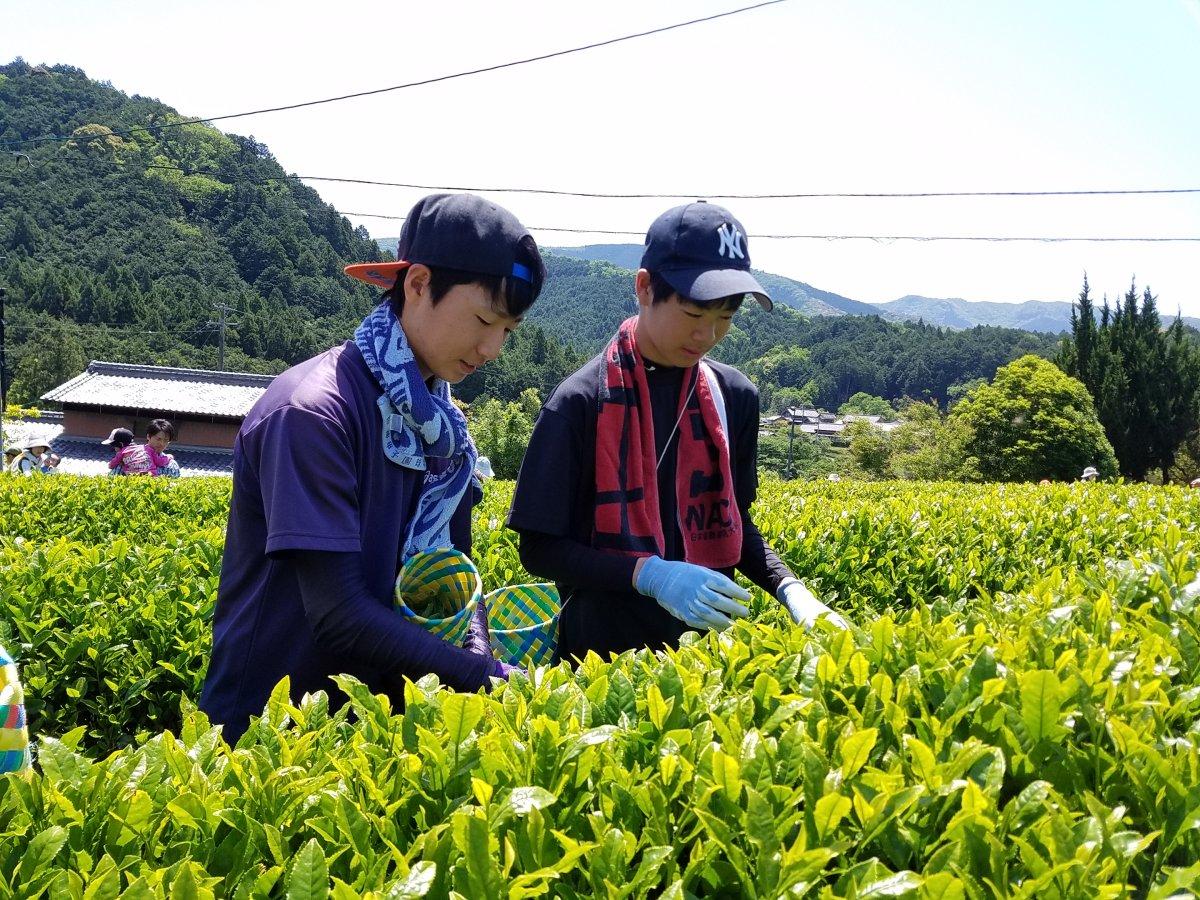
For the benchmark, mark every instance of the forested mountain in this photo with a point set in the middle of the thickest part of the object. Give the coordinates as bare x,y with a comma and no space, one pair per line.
833,358
111,246
122,241
1048,316
787,291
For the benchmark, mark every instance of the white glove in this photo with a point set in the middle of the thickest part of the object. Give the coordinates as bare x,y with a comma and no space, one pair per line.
804,608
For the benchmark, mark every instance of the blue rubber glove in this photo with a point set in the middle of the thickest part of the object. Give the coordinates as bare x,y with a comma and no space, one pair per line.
697,596
804,608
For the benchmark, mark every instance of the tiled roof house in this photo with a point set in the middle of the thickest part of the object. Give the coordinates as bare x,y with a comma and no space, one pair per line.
206,408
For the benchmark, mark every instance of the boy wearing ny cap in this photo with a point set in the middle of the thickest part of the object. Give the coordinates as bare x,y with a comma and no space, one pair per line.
355,460
641,470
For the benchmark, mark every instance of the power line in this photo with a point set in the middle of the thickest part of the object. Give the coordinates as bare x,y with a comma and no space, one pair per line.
422,82
685,194
792,196
808,237
101,328
853,237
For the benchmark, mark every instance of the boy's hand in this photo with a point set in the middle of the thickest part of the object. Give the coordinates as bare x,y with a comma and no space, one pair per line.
505,671
699,597
804,608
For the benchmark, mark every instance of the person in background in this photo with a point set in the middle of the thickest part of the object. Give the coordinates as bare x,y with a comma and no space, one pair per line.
159,435
118,440
10,454
149,458
634,495
1091,473
50,463
29,460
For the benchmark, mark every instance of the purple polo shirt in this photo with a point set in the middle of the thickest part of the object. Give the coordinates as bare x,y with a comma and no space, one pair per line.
309,473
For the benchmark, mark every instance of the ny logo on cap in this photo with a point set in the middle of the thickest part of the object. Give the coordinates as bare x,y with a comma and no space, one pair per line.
731,241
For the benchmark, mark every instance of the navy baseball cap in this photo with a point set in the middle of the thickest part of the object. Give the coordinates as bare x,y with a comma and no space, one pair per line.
700,250
455,231
119,436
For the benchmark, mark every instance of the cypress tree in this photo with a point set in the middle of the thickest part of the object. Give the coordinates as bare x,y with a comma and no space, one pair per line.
1145,381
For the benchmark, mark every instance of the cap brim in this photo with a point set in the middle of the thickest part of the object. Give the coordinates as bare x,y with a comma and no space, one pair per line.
381,275
713,284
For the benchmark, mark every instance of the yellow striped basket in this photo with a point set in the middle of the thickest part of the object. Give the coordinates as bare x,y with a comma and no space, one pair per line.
523,620
14,736
439,590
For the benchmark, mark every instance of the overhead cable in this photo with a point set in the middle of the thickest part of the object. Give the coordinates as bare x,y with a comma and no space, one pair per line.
425,81
852,237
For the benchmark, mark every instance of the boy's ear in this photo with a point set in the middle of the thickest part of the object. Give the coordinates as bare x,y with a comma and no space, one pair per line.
641,287
416,281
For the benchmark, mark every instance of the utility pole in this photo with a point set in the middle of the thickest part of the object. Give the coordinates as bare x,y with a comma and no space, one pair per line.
3,361
791,439
224,309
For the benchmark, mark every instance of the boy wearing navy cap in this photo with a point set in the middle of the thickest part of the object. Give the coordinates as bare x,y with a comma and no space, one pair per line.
357,459
641,470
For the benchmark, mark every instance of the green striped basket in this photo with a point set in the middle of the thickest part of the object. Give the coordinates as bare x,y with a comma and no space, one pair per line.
439,590
523,620
14,736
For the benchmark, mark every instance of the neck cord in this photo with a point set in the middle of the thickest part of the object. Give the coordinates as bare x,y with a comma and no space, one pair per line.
678,419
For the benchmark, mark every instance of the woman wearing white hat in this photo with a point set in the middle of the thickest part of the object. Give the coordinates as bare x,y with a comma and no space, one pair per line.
30,459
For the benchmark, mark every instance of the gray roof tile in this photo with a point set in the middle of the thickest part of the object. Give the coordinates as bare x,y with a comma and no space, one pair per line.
162,389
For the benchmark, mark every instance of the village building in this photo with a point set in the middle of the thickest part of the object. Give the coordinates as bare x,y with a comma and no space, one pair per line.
206,408
820,423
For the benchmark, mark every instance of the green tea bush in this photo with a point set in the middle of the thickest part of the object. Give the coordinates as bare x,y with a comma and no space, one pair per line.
96,510
1016,713
1043,745
109,637
110,617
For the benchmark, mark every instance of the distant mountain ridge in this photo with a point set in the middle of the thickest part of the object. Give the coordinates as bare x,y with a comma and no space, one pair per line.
828,345
1050,316
799,296
1044,316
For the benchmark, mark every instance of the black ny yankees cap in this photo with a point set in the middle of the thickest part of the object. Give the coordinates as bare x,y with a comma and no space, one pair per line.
700,250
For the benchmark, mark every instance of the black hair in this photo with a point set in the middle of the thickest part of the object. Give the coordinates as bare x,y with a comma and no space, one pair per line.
511,296
160,425
661,292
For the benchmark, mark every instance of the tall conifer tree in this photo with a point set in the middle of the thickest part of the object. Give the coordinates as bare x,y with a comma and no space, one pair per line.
1145,381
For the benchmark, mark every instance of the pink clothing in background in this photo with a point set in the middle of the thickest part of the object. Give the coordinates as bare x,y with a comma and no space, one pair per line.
134,460
158,461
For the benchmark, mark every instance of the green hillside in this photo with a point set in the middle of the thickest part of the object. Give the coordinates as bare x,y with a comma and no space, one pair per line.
834,357
121,241
799,296
114,250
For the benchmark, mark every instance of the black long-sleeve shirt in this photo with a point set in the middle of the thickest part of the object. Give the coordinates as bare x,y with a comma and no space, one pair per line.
554,506
351,622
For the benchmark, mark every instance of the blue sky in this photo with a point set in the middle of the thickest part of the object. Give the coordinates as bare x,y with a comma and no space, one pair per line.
802,96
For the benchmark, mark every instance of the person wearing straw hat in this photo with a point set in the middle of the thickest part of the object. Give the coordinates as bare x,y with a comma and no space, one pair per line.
356,461
634,495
